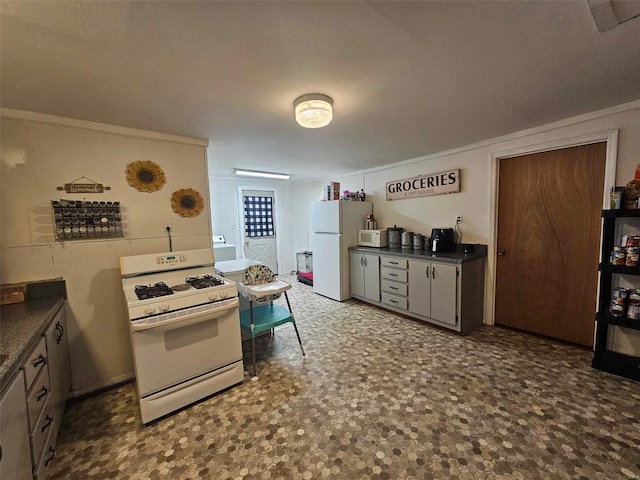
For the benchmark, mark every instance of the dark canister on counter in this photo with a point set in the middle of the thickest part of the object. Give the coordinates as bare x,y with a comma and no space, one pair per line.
618,302
394,236
418,241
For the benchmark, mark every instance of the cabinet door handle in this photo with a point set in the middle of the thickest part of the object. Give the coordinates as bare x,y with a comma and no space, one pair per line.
43,393
39,361
59,328
427,270
433,272
46,425
52,453
365,262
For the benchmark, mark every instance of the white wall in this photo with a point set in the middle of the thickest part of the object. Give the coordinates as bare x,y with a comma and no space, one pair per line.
40,153
226,219
475,201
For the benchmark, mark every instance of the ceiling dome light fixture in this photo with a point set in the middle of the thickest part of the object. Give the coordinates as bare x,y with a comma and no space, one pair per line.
313,110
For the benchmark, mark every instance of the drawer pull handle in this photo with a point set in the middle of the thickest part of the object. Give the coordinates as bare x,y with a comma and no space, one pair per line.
39,361
393,301
46,425
393,263
52,453
393,274
393,288
43,393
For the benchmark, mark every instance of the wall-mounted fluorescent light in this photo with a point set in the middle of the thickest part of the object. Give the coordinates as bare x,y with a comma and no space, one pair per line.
255,173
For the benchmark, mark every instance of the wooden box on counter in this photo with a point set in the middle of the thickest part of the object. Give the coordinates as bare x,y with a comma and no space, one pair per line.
13,293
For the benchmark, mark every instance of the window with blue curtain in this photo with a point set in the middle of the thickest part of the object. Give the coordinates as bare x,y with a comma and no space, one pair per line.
258,215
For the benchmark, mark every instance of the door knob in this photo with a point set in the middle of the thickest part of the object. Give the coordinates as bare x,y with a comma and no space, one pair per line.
501,253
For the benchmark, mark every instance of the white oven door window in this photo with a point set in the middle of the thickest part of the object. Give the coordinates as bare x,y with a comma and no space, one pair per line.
168,354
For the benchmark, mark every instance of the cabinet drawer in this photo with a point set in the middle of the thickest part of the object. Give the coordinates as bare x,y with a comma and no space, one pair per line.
393,262
41,471
40,433
394,300
35,363
393,274
394,287
38,396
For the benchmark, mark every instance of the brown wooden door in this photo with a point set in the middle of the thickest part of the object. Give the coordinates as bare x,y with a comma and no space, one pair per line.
549,224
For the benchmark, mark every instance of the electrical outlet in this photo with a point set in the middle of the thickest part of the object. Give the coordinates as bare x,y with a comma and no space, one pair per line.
459,219
167,224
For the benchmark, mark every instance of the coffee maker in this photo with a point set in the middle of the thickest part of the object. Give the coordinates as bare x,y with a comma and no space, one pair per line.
442,240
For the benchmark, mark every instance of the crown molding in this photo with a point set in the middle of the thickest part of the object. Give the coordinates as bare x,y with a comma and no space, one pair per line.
35,117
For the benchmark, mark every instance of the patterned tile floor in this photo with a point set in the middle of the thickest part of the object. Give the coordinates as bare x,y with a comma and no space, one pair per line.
379,396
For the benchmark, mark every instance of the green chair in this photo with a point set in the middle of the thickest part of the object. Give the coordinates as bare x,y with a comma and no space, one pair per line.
262,288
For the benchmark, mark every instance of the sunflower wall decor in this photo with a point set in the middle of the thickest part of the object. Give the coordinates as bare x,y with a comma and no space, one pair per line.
187,202
145,176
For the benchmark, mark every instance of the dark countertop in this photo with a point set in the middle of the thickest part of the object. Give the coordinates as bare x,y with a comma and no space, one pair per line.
480,251
21,328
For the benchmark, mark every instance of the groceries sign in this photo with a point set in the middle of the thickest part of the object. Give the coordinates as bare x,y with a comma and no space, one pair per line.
424,185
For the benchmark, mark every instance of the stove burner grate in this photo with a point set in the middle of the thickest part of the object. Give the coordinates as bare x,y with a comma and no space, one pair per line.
204,281
159,289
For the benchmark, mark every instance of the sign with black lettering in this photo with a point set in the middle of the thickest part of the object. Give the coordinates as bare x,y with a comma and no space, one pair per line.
424,185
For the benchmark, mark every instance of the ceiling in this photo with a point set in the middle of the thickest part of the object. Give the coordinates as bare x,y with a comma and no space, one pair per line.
407,78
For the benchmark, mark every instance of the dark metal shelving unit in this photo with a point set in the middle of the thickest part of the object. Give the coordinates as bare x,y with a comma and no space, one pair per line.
603,359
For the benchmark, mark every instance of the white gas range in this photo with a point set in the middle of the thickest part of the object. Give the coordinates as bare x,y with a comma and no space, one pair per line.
185,329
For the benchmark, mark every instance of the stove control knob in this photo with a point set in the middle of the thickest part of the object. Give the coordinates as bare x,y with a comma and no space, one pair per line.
164,307
149,310
213,296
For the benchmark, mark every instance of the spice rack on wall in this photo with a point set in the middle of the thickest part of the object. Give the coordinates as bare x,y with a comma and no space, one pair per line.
605,359
86,220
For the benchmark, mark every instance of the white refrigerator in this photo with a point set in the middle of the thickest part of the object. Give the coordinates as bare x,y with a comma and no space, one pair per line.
335,226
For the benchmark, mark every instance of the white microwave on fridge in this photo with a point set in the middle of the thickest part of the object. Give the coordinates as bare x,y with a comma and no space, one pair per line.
372,238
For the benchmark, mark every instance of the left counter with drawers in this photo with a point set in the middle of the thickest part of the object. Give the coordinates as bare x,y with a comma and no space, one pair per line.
35,380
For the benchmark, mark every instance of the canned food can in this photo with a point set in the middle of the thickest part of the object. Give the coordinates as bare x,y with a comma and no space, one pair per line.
634,297
629,240
633,312
633,256
618,303
620,295
616,310
618,256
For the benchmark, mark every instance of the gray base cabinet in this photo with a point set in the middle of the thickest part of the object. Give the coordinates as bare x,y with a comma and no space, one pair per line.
33,404
59,364
365,276
433,291
15,455
447,294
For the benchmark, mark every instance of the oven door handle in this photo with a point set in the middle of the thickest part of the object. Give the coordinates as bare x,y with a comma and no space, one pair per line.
221,306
